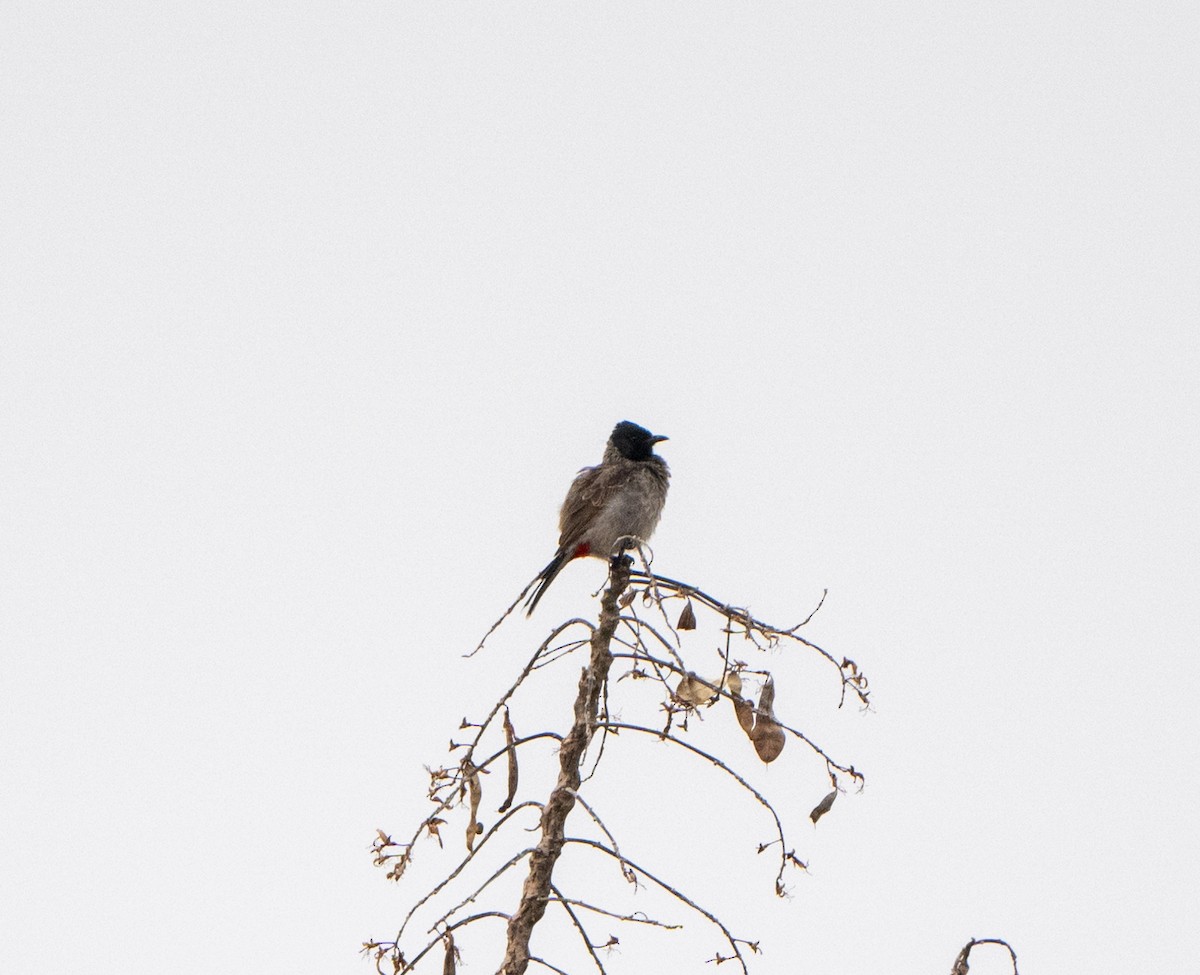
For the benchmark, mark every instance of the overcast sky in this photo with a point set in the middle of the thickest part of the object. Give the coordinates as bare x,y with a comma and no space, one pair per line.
310,314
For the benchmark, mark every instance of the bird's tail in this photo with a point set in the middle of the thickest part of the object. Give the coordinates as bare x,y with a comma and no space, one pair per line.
545,577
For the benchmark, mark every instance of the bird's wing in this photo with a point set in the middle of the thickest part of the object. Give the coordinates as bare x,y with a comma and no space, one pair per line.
589,493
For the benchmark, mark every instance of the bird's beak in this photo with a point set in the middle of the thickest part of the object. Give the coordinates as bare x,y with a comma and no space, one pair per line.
658,439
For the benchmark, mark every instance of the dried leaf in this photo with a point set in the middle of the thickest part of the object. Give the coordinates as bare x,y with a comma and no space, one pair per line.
733,683
510,738
450,962
400,865
823,806
687,619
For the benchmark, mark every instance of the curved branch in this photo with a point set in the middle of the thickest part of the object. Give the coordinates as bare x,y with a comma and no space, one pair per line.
587,942
560,651
750,624
636,623
712,918
512,861
784,853
454,781
516,744
546,964
542,647
408,966
722,692
612,839
459,869
960,963
632,918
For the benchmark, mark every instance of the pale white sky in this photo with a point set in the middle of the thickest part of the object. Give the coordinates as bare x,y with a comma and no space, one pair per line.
310,313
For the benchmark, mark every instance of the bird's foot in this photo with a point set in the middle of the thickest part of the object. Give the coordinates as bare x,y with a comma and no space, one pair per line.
627,542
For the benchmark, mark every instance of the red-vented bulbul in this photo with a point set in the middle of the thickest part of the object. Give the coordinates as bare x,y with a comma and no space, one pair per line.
622,495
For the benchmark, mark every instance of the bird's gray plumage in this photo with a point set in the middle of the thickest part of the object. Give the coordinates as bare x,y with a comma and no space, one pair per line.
622,495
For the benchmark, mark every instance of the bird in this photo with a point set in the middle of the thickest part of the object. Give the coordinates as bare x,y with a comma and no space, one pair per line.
622,495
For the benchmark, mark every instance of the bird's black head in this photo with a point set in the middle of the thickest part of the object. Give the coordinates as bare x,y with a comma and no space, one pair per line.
634,442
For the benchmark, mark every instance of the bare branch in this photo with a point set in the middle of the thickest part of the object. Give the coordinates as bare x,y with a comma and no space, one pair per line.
763,801
637,624
717,690
462,783
462,865
542,648
635,918
452,782
612,839
447,930
961,965
571,756
546,964
512,861
753,628
587,942
401,965
712,918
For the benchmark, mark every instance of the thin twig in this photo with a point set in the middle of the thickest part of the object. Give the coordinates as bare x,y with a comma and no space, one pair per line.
454,780
604,829
763,801
459,869
587,942
403,965
546,964
632,918
712,918
751,625
505,615
722,692
643,624
513,860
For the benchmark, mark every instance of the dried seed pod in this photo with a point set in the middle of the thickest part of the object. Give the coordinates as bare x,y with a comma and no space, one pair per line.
694,691
510,738
823,806
766,700
769,740
759,724
474,827
768,736
745,715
